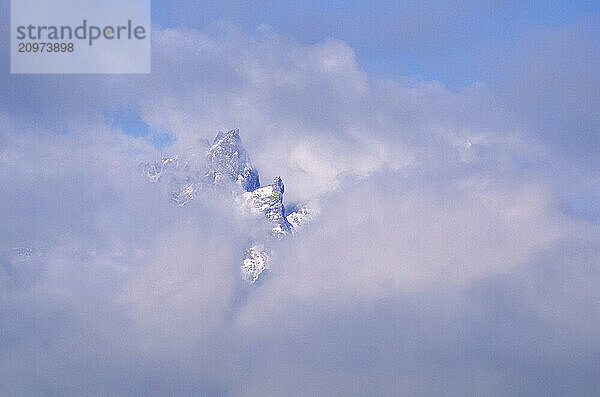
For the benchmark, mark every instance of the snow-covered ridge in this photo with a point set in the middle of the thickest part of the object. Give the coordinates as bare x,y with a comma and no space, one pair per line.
227,164
269,201
256,261
227,159
299,216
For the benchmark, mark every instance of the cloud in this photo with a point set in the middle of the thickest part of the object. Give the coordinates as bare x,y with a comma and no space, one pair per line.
547,79
443,261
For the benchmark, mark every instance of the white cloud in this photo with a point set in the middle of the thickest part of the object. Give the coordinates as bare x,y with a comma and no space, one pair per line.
436,266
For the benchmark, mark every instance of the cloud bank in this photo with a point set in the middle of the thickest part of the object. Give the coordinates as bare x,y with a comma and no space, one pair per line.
446,258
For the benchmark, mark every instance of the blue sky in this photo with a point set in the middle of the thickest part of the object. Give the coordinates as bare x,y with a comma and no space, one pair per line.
458,44
430,40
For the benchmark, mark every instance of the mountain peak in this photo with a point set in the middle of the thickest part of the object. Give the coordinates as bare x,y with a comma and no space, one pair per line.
227,159
278,185
269,200
231,134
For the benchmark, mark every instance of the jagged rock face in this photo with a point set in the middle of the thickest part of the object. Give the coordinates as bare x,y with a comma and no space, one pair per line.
228,160
256,261
221,163
269,201
299,216
155,170
183,176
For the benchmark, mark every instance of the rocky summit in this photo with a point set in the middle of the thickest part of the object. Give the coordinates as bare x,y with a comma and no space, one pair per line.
269,201
227,165
227,160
